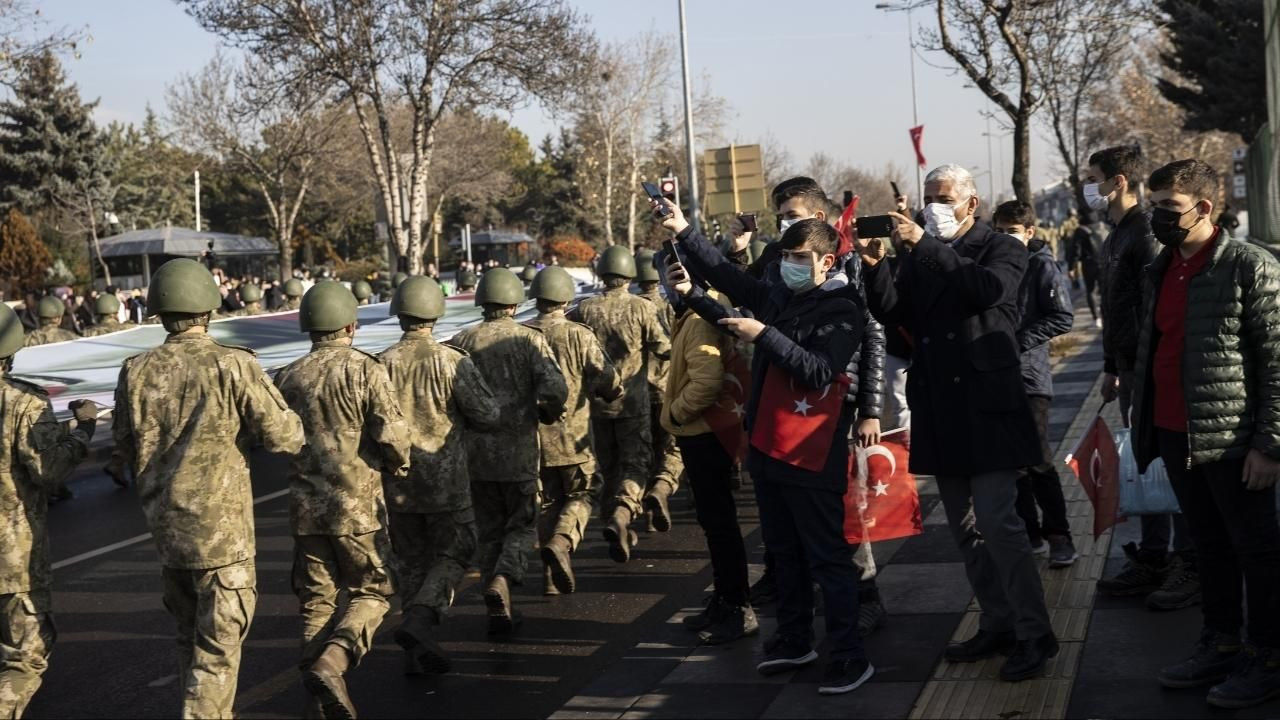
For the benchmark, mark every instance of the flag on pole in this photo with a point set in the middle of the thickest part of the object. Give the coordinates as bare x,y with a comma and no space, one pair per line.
917,140
883,502
844,228
1096,464
725,417
797,425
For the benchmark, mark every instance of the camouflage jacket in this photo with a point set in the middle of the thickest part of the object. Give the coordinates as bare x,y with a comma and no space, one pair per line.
246,311
628,328
36,454
290,304
588,373
659,367
106,328
48,334
186,415
522,371
355,433
442,395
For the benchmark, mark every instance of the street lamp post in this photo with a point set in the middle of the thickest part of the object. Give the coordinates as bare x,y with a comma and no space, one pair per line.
688,124
907,6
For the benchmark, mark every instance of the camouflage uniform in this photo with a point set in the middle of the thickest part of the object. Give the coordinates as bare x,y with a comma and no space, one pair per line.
187,414
667,465
106,327
433,527
290,303
519,366
35,456
48,334
568,463
354,433
629,330
249,310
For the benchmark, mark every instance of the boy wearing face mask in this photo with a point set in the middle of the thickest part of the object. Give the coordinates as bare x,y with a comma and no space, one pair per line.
805,334
1112,185
972,426
1207,401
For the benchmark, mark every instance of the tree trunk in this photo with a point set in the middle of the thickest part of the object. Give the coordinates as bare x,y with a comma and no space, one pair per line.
284,241
1022,156
97,247
608,188
632,184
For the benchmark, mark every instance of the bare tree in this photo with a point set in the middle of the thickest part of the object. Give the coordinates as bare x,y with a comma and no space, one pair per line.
25,35
471,164
273,131
432,55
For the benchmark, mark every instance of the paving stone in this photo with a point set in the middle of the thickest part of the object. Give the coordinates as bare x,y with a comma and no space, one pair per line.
934,545
911,588
873,700
705,701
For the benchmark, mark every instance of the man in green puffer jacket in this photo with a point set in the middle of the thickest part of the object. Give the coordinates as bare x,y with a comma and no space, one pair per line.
1208,403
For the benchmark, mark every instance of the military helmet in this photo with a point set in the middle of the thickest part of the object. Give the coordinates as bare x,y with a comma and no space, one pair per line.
183,285
418,297
617,261
362,290
554,284
12,337
51,307
250,293
500,286
467,278
293,288
106,304
327,307
528,273
646,271
398,278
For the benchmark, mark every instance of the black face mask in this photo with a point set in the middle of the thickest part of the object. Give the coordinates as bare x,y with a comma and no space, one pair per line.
1166,225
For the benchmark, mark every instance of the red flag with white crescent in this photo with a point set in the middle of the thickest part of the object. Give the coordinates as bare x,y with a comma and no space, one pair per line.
917,141
1096,463
725,417
795,424
843,225
883,502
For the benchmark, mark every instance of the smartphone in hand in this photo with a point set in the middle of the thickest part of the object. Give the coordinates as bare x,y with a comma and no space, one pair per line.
652,191
875,226
748,221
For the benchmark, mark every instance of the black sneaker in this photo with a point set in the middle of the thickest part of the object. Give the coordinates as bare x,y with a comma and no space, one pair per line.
1062,552
1029,658
1144,573
786,654
1181,587
871,613
1039,546
844,676
982,645
765,591
1215,656
734,623
712,612
1255,680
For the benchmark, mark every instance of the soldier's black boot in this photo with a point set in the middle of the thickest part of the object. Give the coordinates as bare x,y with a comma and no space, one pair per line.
555,554
656,503
324,681
414,635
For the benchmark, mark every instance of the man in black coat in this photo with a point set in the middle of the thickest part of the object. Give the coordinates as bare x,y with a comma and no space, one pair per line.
972,427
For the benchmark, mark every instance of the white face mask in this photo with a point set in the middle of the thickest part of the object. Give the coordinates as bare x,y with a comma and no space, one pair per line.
785,223
1095,199
940,221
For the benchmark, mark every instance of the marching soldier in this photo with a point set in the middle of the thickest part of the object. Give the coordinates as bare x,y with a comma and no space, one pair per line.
251,296
629,330
186,415
354,434
522,371
527,274
50,310
35,457
107,310
466,281
433,524
362,290
667,464
568,464
293,291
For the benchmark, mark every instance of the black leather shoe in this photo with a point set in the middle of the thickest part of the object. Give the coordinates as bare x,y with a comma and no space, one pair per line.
980,646
1029,658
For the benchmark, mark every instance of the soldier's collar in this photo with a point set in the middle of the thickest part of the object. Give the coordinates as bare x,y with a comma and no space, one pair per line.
188,337
330,343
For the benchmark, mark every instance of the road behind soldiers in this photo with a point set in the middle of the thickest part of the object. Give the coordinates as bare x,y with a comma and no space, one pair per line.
115,654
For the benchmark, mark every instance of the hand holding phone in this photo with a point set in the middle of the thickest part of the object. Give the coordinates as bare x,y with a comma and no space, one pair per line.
874,226
748,221
652,191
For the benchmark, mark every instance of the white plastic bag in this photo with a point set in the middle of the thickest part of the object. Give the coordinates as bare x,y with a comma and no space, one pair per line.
1146,493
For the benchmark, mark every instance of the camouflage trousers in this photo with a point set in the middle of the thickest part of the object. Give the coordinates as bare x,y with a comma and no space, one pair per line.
624,447
566,502
506,517
213,608
433,551
325,566
27,635
667,463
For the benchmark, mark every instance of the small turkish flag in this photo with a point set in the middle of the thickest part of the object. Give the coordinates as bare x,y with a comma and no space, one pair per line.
883,502
1096,463
844,227
725,417
797,425
917,141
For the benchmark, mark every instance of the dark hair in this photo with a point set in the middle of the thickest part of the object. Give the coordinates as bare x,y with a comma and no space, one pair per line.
815,233
805,188
1191,177
1123,160
1015,212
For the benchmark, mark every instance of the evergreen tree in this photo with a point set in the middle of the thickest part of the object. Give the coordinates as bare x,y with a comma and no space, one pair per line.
152,178
24,260
1218,49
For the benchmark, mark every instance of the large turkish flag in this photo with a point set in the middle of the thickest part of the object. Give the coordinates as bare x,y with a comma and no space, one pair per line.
795,424
883,502
725,417
1096,463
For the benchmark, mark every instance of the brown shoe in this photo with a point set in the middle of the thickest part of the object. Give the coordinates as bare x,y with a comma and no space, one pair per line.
656,503
324,681
497,597
619,535
555,554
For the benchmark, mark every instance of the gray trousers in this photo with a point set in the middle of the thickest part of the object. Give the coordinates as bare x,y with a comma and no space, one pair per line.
896,412
997,554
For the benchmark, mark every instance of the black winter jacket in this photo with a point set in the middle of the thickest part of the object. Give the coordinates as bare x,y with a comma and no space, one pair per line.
811,336
1044,301
1129,248
1231,356
969,410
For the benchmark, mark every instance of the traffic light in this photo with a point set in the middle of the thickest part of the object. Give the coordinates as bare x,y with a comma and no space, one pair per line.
670,188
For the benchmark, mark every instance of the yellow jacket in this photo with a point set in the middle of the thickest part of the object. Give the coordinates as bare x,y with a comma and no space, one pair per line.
696,374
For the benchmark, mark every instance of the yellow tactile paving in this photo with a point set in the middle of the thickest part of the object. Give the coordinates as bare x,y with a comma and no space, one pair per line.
974,690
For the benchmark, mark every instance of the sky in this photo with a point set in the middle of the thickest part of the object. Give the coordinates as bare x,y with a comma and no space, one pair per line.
770,60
